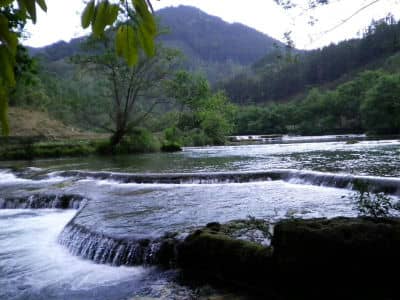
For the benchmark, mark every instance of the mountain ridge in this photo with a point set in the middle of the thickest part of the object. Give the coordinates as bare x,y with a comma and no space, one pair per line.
211,45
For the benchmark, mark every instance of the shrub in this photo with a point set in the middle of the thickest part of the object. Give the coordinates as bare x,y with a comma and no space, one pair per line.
371,204
139,141
171,147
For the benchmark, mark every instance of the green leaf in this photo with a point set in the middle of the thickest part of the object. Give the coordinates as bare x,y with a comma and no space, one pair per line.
7,37
5,2
87,15
100,18
7,61
126,45
22,7
147,42
147,18
112,13
42,4
31,8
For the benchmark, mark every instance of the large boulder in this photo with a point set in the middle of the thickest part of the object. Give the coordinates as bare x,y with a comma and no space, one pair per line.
211,253
338,257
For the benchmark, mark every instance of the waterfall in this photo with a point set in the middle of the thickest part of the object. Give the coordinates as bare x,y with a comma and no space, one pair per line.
103,249
38,201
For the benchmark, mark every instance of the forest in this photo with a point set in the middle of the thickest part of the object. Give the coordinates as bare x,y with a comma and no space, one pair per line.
164,102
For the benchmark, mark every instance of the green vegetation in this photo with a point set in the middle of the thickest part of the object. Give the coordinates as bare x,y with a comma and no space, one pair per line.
140,141
275,78
204,117
372,204
212,46
138,31
368,103
85,84
125,86
31,149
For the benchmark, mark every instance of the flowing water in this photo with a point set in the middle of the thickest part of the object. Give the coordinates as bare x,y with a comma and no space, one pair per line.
93,247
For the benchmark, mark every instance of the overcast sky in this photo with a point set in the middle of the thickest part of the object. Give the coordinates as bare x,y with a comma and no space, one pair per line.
62,21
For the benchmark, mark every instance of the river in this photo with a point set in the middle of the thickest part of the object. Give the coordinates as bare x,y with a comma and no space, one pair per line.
52,253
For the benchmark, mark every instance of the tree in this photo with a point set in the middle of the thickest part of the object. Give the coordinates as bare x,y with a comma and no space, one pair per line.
99,14
381,108
216,115
131,92
187,90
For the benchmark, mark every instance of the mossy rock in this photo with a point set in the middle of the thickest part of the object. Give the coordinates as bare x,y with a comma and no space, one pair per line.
211,254
347,256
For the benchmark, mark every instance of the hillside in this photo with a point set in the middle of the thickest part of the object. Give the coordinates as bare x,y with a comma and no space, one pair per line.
211,45
272,79
211,39
27,122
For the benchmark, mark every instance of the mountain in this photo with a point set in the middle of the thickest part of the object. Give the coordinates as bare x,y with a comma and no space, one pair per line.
211,45
211,39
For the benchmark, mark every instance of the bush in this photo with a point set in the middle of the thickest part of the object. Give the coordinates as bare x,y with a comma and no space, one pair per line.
199,138
370,204
140,141
381,108
173,135
171,147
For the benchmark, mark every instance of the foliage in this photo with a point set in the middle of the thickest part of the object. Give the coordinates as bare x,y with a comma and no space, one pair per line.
139,141
368,103
215,114
171,147
28,150
275,79
187,89
131,93
369,203
212,46
381,108
12,22
130,37
204,117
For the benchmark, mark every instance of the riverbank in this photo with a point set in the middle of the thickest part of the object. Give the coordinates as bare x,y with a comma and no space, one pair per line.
29,148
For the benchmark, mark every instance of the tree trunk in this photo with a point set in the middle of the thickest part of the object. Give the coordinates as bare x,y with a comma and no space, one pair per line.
116,139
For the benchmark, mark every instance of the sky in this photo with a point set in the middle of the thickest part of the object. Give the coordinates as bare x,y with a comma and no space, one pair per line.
62,20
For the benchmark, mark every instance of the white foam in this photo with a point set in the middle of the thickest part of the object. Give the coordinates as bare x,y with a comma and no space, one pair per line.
31,255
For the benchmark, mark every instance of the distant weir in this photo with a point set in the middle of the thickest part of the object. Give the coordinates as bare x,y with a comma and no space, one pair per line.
390,185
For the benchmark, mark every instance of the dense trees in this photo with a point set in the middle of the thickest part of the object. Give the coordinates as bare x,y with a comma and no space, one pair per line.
381,108
369,103
202,117
136,30
281,79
